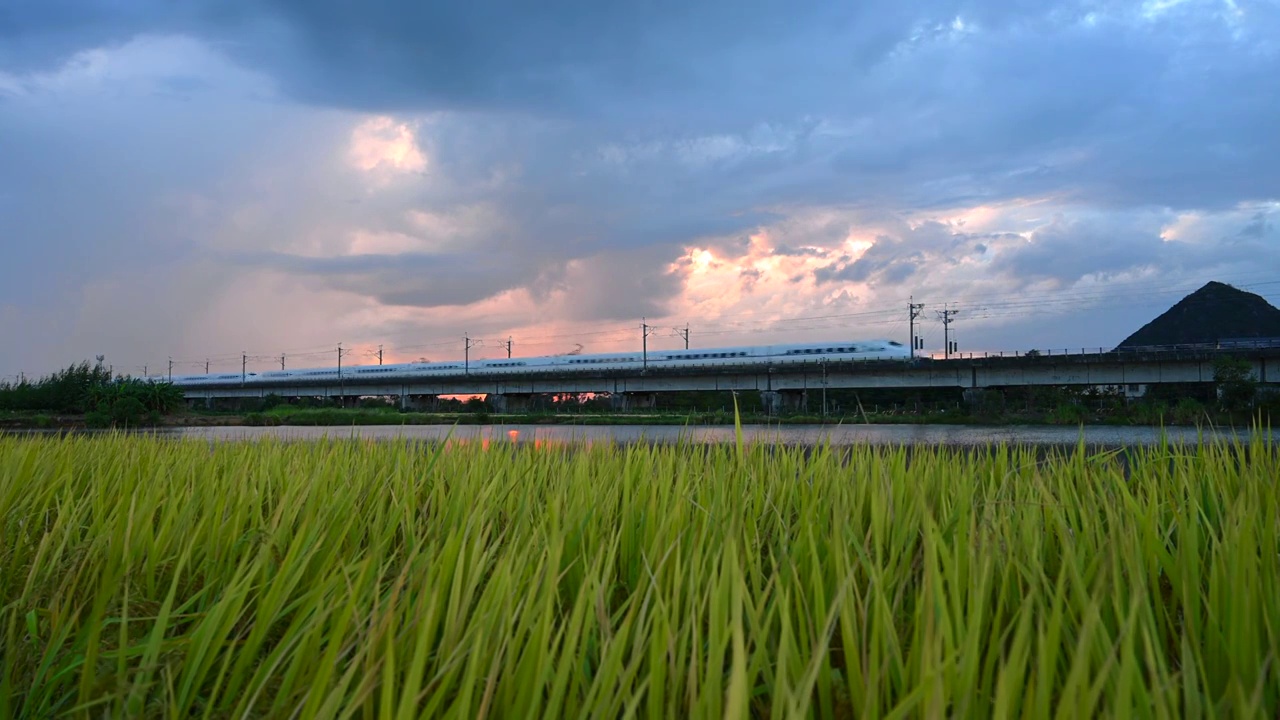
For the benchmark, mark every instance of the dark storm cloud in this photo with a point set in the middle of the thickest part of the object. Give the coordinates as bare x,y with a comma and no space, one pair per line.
41,34
567,54
903,104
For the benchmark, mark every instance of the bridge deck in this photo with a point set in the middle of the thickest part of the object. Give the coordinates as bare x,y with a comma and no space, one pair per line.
1127,368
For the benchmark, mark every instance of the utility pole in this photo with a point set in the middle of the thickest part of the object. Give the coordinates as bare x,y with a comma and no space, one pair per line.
170,368
644,343
945,315
824,388
915,308
379,355
144,371
342,387
466,355
244,365
281,361
206,366
508,344
684,334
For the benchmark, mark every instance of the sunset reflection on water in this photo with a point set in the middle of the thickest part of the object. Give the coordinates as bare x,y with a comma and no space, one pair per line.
537,438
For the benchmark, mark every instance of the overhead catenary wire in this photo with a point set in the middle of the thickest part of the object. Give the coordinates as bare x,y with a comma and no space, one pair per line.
1141,293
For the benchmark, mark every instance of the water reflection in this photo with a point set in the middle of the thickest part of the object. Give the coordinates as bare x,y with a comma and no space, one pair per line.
838,435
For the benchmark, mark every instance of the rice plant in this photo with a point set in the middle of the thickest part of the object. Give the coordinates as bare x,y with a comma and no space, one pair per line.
144,577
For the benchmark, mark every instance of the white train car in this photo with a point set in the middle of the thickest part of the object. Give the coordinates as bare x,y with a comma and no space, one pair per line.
813,353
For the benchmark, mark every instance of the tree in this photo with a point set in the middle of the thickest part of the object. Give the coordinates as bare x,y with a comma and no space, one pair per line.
1236,384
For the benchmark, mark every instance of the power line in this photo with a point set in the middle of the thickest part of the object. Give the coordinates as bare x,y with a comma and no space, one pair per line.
994,307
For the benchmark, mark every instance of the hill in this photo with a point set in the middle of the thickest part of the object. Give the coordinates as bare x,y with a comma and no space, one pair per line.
1215,312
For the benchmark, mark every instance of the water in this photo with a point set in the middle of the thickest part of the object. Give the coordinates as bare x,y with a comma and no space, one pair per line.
838,435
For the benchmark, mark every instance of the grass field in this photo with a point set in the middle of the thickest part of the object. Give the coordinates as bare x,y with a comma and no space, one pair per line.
159,578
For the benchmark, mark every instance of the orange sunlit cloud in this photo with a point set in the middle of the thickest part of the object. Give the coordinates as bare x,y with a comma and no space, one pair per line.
759,282
381,142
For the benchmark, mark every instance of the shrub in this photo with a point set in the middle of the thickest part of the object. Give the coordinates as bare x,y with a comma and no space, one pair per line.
1188,412
1069,414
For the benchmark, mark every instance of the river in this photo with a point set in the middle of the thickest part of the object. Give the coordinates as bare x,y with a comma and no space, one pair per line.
951,435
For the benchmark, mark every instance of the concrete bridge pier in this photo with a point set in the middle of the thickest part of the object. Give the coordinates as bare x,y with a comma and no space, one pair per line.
795,400
504,403
418,403
776,402
771,401
633,401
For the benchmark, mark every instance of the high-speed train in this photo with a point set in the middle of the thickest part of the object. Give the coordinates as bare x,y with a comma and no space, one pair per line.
838,351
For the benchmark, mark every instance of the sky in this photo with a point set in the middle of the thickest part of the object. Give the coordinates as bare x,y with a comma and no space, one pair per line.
231,181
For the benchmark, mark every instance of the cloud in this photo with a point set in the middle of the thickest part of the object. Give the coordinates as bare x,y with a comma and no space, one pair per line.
1067,250
381,142
402,169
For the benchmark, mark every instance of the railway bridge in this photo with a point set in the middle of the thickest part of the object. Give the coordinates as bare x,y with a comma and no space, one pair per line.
780,384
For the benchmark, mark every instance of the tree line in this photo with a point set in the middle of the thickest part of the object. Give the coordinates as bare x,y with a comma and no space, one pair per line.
92,391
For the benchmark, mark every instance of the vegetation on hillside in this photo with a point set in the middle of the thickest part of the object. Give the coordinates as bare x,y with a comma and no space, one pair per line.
1215,312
